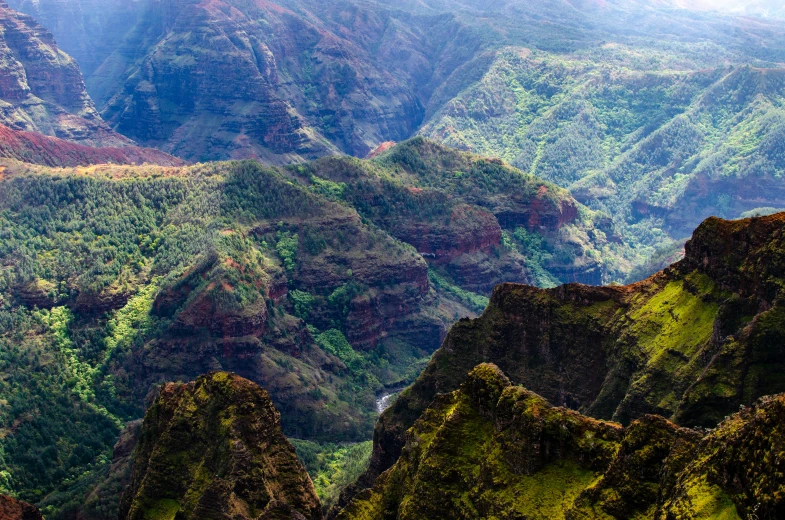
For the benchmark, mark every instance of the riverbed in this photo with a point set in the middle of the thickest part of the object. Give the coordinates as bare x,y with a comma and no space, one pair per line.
384,401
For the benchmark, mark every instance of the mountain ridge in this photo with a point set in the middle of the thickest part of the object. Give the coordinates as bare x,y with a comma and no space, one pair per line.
42,88
691,343
215,447
492,449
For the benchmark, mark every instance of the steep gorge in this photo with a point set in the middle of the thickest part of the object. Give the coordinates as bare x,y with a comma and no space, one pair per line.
120,278
41,87
493,450
692,343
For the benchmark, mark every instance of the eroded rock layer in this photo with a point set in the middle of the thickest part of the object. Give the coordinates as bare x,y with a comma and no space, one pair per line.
494,450
41,87
214,449
692,343
12,509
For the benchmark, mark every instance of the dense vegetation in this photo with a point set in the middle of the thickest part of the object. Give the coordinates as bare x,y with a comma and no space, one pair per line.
333,467
655,116
494,450
693,343
103,269
116,279
457,208
619,127
658,140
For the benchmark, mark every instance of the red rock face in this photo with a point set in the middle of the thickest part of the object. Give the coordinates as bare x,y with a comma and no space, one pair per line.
12,509
381,149
203,302
379,314
469,229
539,213
283,75
43,86
36,148
206,313
298,79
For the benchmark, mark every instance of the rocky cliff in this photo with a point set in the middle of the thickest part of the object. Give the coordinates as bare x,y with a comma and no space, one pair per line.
530,82
692,343
214,449
303,279
41,88
494,450
298,81
12,509
154,274
30,147
477,220
299,78
88,30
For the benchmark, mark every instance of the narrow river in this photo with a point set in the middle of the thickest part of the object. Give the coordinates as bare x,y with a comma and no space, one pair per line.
385,400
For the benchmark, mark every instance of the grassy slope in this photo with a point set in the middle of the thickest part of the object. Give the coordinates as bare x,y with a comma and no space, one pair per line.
492,450
658,139
117,278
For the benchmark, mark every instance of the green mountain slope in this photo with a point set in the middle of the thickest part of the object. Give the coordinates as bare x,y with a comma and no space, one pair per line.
494,450
657,142
479,222
655,115
215,447
326,283
692,343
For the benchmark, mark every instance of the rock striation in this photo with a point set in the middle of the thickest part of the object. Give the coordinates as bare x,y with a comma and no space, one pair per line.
12,509
41,87
298,81
494,450
461,212
214,449
692,343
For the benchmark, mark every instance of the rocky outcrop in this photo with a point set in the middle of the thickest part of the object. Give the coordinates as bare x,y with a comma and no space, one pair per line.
41,88
12,509
102,502
38,293
455,207
469,229
295,84
37,148
214,449
164,274
88,30
739,464
692,343
494,450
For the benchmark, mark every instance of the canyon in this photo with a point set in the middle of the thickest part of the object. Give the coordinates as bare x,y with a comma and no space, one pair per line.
239,238
692,343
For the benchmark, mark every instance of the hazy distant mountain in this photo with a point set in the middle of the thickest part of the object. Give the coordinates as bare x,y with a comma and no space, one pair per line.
41,88
765,8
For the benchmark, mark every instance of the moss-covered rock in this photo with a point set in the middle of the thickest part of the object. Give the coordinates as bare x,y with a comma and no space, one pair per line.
692,343
740,469
214,449
519,457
